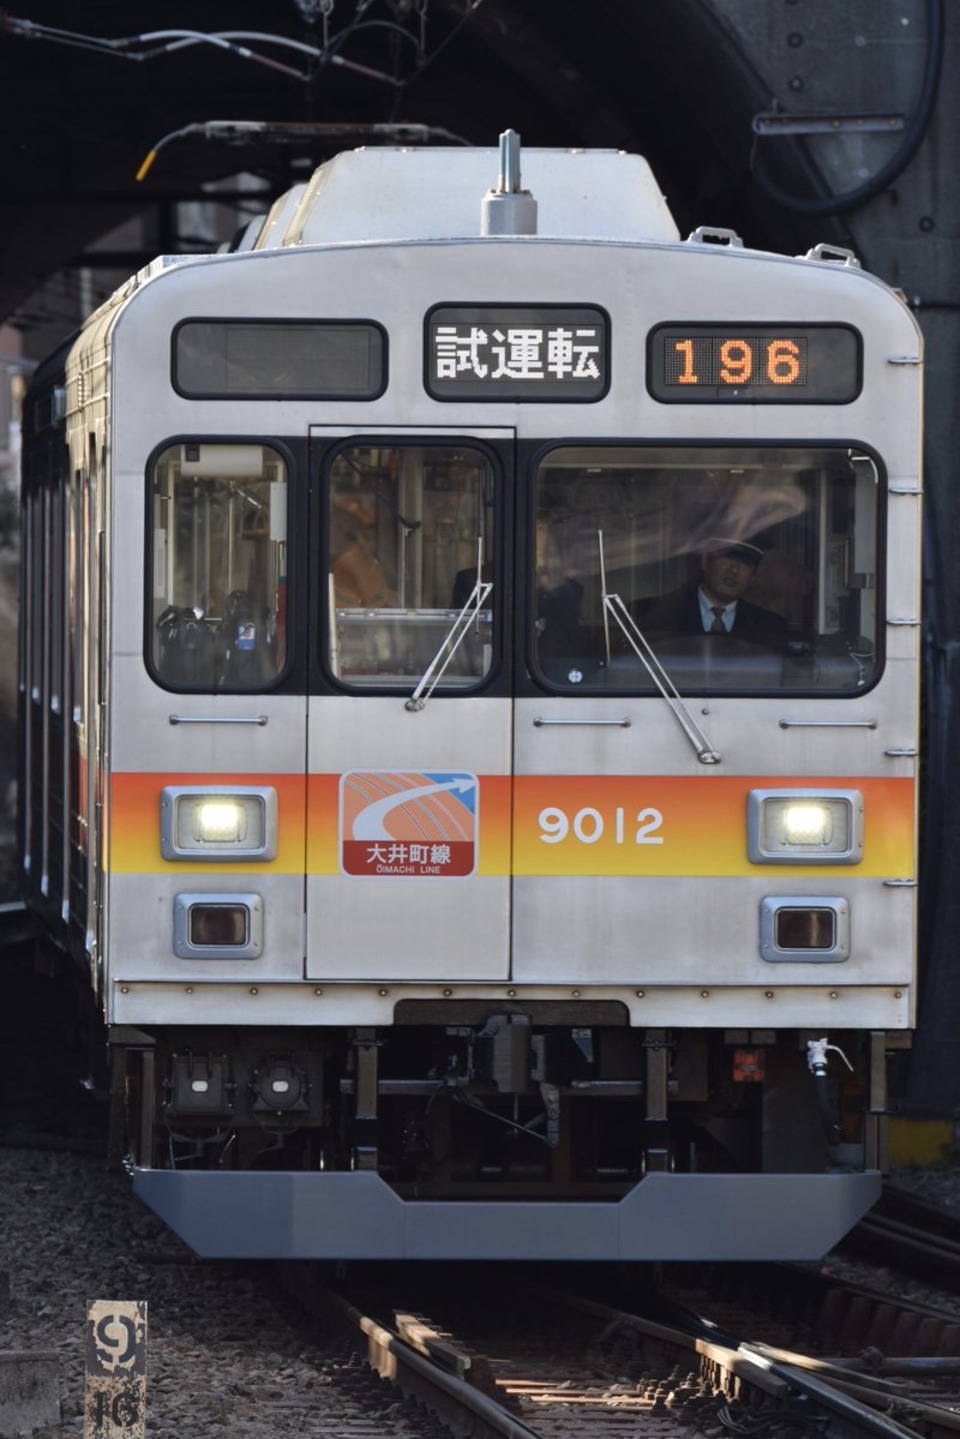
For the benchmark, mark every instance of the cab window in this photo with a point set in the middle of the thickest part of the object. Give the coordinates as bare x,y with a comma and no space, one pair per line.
410,547
219,566
747,569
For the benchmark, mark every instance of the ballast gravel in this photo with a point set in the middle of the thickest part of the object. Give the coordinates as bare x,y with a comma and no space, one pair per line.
227,1354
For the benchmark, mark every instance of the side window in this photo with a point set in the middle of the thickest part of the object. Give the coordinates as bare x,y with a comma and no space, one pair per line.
410,534
219,566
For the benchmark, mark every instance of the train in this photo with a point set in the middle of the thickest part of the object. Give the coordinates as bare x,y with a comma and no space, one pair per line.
470,719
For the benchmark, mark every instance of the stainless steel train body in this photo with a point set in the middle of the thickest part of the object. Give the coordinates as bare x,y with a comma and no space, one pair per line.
447,889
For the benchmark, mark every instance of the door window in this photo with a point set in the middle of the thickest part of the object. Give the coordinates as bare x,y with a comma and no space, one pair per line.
410,543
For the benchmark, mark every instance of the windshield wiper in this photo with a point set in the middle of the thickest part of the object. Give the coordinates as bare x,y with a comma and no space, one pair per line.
638,642
641,646
450,644
614,607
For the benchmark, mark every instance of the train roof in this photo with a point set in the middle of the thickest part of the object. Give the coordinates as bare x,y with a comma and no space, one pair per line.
400,194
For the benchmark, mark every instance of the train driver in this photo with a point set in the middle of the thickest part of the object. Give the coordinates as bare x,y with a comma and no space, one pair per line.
715,604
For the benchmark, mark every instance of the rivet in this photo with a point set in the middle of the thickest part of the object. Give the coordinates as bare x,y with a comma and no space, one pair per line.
641,994
254,989
704,994
124,989
189,989
318,991
834,994
898,994
768,994
383,993
511,994
575,993
447,993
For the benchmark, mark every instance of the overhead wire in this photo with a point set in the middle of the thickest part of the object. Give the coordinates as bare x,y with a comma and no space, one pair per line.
135,47
147,45
152,44
123,46
438,50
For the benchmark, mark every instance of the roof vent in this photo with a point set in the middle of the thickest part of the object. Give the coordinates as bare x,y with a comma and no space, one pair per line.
508,210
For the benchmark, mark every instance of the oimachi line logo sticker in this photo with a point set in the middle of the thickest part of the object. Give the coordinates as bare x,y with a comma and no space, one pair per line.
417,824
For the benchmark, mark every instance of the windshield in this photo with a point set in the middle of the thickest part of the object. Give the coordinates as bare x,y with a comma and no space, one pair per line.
410,532
745,569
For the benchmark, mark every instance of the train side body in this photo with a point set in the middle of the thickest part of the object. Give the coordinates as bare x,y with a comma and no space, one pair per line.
445,893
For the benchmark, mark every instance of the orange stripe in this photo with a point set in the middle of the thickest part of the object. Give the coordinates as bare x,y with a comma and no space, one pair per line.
610,825
604,825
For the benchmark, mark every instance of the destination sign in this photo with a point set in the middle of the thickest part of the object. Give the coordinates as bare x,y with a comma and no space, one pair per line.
517,352
754,363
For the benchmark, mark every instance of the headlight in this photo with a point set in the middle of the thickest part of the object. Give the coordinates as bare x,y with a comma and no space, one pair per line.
216,821
805,826
207,822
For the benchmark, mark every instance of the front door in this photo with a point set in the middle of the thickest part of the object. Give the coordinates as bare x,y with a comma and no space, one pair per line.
409,735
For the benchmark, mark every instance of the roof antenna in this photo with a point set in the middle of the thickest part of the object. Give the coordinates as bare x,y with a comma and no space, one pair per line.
508,210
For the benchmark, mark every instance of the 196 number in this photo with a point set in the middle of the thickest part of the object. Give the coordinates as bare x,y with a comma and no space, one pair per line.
588,826
733,363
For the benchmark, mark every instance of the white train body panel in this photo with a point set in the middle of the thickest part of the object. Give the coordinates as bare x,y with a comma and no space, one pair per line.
584,840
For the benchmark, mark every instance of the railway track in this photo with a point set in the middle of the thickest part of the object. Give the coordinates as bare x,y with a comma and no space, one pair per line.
511,1357
910,1234
487,1354
786,1350
799,1348
540,1365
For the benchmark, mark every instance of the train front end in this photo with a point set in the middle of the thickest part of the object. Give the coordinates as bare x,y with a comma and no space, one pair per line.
510,665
